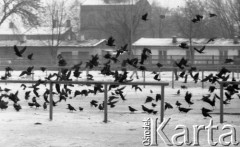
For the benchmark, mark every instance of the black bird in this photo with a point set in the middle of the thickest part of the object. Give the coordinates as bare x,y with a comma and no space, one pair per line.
149,99
17,107
43,69
131,109
71,108
31,104
178,103
212,15
205,112
178,92
154,105
45,105
37,104
184,45
144,17
100,107
19,52
185,110
188,97
94,103
211,39
228,61
200,51
158,97
110,41
27,95
80,108
30,56
211,89
24,86
168,106
184,87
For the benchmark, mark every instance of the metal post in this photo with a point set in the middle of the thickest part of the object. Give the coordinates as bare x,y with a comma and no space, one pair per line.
232,74
221,103
162,104
238,73
202,78
144,78
51,102
173,78
105,104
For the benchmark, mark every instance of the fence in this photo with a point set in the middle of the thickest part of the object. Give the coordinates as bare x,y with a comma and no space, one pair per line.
222,96
162,84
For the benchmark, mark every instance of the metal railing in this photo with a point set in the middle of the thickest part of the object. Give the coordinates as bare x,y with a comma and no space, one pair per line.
222,96
162,84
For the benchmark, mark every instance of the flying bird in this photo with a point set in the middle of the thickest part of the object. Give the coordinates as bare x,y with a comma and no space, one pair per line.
19,52
144,17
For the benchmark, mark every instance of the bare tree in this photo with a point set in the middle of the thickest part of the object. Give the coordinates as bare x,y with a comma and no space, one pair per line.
124,22
27,10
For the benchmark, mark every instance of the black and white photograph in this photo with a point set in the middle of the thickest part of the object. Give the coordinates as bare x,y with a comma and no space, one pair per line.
119,73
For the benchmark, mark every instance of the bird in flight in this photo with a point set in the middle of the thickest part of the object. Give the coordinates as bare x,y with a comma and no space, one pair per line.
19,52
144,17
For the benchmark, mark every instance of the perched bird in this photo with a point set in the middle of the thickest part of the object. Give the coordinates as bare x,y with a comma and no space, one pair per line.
24,86
19,52
71,108
131,109
144,17
205,112
43,69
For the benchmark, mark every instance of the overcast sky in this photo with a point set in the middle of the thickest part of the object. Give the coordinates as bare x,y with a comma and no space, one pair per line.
171,3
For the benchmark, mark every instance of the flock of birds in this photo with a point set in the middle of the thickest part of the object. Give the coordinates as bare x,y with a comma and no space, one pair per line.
65,91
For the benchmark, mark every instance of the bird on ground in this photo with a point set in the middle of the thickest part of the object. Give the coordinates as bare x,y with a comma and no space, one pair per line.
185,110
17,107
80,108
205,112
100,107
19,52
71,108
3,105
37,105
168,106
178,92
178,104
183,87
144,17
45,105
131,109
